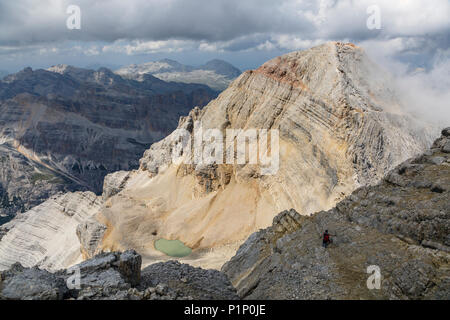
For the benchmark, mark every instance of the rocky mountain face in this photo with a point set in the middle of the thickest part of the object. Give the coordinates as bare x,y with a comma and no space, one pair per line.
116,276
216,74
401,226
65,128
340,126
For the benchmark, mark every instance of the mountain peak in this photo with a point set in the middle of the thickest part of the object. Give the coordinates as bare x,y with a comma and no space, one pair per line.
217,74
330,106
222,67
59,68
328,112
335,68
340,44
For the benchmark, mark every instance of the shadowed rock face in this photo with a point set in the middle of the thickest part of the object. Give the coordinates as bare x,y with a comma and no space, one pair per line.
65,129
116,276
25,182
401,225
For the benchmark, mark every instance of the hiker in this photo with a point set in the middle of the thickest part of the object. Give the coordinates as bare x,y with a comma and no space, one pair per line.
326,239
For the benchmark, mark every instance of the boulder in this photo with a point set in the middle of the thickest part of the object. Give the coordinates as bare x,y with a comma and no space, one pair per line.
31,284
90,233
116,276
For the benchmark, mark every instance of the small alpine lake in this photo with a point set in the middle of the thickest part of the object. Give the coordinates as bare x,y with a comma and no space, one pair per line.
172,248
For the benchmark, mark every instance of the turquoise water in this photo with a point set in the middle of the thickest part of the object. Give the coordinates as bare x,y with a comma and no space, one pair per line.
172,248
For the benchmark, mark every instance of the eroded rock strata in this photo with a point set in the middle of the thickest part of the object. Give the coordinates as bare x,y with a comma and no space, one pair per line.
46,236
340,126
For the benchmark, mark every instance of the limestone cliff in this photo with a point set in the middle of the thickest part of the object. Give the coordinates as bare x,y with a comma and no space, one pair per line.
45,236
340,126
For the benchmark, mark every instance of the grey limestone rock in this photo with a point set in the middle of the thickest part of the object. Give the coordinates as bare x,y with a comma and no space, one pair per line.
116,276
197,283
90,233
400,225
31,284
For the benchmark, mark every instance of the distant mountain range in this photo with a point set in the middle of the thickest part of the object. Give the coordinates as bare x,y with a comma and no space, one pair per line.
216,74
65,128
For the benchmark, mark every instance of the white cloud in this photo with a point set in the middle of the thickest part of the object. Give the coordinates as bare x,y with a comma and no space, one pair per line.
223,25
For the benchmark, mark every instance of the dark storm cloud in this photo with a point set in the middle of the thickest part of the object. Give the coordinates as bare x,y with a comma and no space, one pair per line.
232,25
413,41
29,22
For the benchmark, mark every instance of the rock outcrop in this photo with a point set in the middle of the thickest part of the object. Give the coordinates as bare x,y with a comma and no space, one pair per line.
115,276
90,233
401,226
196,283
64,129
19,283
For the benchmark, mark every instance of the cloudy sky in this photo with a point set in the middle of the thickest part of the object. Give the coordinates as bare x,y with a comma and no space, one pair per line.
244,32
411,37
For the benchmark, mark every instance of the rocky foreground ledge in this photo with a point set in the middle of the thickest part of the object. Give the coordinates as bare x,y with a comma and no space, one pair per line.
116,276
401,227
